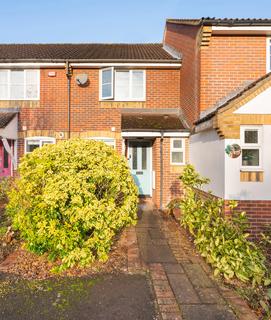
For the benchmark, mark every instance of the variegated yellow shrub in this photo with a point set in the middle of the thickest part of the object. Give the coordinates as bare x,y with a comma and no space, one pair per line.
71,199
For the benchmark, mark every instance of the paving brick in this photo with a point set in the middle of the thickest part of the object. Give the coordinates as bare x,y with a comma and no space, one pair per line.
207,312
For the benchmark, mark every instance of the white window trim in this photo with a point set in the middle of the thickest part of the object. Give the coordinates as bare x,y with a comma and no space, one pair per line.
103,139
114,86
172,149
101,84
24,98
257,146
38,138
268,54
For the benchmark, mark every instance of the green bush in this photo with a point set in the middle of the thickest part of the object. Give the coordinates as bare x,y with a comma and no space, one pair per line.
71,199
222,241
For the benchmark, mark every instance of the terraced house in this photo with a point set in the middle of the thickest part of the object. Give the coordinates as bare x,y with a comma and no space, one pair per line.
202,96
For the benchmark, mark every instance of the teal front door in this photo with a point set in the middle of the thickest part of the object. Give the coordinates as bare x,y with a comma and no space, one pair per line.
139,155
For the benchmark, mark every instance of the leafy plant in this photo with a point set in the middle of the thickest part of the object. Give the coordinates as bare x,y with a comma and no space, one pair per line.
5,186
222,241
71,199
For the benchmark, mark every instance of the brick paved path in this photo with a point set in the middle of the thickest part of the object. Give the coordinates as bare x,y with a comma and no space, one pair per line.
181,279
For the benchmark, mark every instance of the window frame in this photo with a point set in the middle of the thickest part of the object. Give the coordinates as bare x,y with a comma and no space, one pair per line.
172,149
113,140
40,139
25,85
253,146
113,98
112,83
268,54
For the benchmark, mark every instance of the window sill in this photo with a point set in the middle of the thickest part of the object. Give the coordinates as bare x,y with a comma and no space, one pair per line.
136,100
251,170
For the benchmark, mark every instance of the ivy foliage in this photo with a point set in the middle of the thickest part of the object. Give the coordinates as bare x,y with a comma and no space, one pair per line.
71,199
222,241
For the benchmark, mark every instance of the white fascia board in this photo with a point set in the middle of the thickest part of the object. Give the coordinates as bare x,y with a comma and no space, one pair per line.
241,30
125,64
139,134
146,134
85,64
176,134
31,64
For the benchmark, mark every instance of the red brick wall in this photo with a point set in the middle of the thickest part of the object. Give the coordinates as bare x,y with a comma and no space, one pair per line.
184,39
258,212
171,183
227,63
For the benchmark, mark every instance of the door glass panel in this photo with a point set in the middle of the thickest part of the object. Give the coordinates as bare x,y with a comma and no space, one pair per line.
144,158
5,159
134,157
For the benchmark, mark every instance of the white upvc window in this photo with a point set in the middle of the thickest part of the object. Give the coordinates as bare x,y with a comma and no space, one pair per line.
268,55
19,84
122,84
109,141
251,144
177,151
33,143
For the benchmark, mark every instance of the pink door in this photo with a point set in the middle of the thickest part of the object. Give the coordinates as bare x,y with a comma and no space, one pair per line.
5,161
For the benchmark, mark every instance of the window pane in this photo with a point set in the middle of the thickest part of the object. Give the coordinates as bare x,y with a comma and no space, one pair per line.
106,90
122,85
251,136
32,145
31,82
46,142
177,157
134,155
250,157
137,84
144,158
17,85
3,84
177,143
107,78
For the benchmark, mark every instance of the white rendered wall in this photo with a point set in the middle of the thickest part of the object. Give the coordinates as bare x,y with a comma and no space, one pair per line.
207,154
258,105
234,188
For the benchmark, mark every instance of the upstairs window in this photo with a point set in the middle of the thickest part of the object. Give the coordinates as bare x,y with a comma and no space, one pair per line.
251,143
177,151
122,85
268,55
33,143
19,84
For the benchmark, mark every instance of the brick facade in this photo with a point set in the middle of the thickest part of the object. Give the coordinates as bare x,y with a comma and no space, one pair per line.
228,63
184,39
90,117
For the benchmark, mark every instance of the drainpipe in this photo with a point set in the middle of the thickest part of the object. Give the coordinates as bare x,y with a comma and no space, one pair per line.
161,170
68,70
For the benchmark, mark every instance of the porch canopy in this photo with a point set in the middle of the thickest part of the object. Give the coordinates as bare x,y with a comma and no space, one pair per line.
9,124
153,122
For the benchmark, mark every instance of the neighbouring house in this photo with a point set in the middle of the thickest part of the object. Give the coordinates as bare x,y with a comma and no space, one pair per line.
127,95
225,91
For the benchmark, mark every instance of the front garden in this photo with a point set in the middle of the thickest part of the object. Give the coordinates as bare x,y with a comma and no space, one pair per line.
223,242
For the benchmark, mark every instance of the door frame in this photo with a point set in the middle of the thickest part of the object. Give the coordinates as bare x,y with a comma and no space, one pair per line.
151,172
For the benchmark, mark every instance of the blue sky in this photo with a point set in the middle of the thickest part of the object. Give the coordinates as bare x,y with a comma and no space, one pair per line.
110,21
